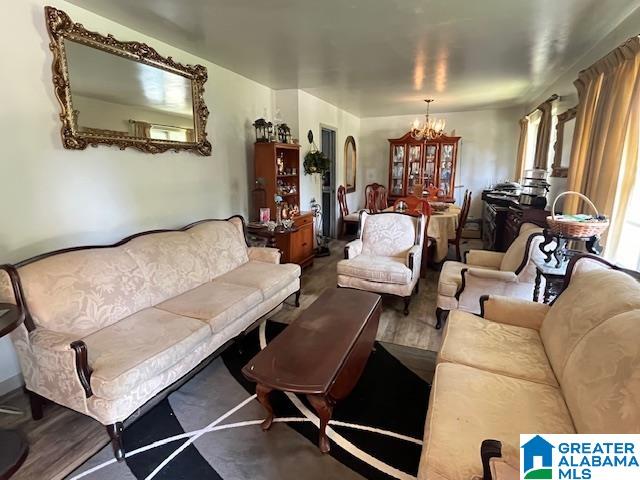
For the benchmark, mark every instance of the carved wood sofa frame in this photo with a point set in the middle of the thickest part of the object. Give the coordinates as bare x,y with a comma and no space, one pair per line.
80,348
493,448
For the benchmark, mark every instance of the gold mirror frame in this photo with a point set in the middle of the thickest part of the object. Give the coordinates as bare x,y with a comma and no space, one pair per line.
350,141
557,170
61,27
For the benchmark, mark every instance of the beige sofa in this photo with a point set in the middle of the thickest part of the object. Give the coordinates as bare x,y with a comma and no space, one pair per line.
108,328
511,274
530,368
386,257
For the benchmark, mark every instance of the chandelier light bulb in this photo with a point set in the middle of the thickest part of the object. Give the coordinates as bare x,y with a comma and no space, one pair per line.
432,128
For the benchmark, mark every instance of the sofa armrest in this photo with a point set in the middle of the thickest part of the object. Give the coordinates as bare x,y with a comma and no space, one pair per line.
414,259
353,249
265,254
492,274
483,258
513,311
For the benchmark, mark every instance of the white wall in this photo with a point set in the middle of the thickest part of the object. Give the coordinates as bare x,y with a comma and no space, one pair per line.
52,197
487,151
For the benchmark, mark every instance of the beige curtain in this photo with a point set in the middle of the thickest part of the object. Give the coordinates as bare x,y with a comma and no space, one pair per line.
522,148
604,152
140,129
541,158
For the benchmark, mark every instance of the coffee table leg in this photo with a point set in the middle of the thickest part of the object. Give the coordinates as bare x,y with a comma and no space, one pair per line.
324,409
263,397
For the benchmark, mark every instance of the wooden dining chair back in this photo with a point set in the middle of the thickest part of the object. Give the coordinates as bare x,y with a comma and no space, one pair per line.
462,219
375,196
342,201
346,218
417,206
434,193
418,190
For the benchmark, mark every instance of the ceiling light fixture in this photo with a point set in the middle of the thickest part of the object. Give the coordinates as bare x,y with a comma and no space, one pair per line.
432,128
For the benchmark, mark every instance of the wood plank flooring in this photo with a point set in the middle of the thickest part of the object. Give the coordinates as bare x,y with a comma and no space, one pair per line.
65,439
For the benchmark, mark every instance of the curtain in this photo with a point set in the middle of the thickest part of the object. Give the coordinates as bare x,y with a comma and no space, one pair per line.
604,152
140,129
544,136
522,149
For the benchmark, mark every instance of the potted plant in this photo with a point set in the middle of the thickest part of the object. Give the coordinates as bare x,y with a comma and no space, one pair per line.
315,162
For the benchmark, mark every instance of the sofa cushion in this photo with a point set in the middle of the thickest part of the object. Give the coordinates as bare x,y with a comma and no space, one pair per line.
601,380
591,298
172,262
451,277
216,303
376,269
496,347
269,278
388,234
83,291
140,347
223,244
468,405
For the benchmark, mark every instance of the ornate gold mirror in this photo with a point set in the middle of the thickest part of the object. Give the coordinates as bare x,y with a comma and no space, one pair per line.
350,161
564,139
124,93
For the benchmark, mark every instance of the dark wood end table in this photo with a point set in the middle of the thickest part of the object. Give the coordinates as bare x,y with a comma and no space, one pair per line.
554,280
14,448
321,354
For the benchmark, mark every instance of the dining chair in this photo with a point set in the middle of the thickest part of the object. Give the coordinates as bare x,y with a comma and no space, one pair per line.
345,216
375,197
462,219
418,190
434,193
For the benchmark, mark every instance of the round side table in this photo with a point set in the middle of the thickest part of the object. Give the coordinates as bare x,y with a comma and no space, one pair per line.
14,446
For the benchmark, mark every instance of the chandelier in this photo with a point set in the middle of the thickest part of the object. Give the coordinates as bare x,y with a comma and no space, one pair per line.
432,128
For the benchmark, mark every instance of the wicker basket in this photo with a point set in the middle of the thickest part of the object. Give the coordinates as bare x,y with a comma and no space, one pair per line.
572,228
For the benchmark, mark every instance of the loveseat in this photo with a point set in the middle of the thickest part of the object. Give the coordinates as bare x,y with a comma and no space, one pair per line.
108,328
532,368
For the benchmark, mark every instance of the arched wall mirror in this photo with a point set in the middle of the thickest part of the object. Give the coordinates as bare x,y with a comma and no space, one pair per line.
350,161
562,148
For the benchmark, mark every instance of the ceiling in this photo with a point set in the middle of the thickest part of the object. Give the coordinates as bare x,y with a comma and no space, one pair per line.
382,57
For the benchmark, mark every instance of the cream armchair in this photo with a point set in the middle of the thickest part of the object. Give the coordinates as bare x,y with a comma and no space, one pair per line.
510,274
387,256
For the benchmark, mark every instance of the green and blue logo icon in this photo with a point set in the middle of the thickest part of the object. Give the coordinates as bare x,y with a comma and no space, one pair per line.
537,459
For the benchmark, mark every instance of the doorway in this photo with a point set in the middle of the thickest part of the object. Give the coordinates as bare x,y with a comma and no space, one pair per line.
328,147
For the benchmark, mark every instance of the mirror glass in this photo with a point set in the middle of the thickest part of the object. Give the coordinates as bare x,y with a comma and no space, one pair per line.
113,95
350,164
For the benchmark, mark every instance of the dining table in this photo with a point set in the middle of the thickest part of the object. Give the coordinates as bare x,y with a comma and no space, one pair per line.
442,227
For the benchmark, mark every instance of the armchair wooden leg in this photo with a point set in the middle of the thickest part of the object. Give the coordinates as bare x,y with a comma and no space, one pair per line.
407,301
418,287
298,297
441,316
36,402
115,433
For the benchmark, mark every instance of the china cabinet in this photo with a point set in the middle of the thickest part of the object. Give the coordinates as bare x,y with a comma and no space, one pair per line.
425,162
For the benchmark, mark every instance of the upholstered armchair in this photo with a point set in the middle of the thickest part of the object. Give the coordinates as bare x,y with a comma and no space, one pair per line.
511,274
386,257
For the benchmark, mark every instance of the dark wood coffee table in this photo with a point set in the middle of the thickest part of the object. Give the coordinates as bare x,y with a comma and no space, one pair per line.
321,354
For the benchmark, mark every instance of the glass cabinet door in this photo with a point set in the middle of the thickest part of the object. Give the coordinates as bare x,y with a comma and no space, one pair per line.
397,170
429,172
413,164
446,169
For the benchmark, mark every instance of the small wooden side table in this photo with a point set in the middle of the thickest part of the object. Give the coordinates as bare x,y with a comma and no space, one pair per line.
554,280
14,448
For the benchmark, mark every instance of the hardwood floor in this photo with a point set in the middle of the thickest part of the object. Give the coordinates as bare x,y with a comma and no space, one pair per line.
65,439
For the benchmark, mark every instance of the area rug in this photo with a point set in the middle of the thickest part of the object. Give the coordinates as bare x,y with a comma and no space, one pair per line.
210,427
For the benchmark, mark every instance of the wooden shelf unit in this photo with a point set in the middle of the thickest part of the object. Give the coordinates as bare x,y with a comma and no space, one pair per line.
266,167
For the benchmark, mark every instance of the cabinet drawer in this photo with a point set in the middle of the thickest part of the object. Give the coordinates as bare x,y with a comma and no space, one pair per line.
303,220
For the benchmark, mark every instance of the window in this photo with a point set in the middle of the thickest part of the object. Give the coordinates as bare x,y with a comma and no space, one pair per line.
532,138
164,132
628,252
